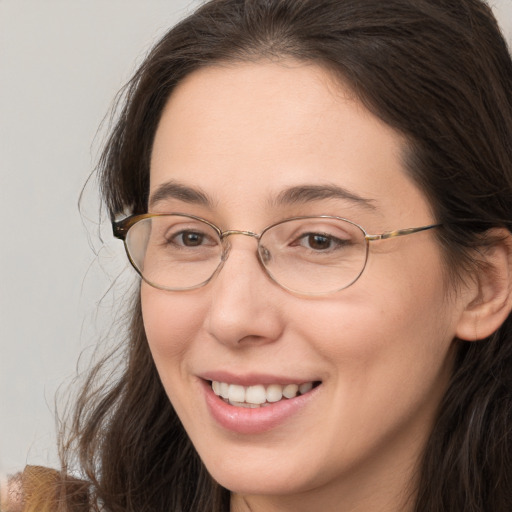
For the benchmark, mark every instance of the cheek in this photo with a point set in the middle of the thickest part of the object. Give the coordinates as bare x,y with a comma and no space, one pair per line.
171,323
388,335
377,317
389,363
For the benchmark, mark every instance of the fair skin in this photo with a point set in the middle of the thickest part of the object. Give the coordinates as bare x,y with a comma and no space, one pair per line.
380,350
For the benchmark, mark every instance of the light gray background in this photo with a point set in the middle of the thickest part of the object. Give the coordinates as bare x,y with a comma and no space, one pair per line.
61,64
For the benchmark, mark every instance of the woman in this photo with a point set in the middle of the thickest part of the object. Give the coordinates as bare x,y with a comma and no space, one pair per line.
324,314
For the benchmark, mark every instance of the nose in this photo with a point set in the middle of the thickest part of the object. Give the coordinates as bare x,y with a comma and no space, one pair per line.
245,307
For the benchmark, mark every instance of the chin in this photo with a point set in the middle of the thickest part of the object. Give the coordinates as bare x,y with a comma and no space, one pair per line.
255,473
264,482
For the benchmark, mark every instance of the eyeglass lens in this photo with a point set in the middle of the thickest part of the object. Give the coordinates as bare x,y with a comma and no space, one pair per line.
309,255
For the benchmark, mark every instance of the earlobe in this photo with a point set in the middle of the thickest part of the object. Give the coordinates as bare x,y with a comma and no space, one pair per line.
490,297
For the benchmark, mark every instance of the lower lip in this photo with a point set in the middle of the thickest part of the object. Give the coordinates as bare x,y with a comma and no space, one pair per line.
244,420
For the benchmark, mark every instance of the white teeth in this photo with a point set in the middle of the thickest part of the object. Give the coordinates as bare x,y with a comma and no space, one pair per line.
236,393
258,395
274,393
290,391
305,387
216,387
244,404
224,390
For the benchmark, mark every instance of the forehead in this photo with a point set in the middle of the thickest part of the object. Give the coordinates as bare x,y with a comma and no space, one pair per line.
244,133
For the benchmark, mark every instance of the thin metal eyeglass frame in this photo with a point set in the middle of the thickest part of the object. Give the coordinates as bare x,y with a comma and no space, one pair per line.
120,230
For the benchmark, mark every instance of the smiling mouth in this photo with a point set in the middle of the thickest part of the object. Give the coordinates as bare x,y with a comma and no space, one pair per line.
259,395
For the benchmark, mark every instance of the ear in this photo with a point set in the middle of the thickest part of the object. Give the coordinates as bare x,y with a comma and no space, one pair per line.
489,301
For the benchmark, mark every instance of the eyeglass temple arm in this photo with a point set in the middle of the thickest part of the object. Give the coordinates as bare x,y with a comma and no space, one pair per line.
400,232
120,228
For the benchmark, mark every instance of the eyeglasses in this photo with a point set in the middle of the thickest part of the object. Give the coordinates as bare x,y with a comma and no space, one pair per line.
305,255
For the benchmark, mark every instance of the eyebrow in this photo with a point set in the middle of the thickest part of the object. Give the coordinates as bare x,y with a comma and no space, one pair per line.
174,190
302,194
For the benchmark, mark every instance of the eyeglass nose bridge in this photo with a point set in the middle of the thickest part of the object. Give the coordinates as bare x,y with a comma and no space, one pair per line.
227,248
229,232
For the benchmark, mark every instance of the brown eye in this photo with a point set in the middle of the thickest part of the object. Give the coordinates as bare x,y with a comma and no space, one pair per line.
191,239
188,235
319,242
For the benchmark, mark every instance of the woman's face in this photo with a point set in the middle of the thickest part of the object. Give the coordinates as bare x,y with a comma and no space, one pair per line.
378,352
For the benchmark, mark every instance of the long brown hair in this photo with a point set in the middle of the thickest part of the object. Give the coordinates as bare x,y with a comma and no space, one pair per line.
437,71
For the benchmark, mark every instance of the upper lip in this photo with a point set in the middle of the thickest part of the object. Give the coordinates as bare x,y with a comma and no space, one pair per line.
253,379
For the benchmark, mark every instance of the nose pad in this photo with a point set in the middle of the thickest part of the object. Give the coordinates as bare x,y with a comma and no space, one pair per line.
261,256
264,254
226,249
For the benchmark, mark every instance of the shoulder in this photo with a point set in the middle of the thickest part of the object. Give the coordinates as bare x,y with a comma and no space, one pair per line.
40,489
